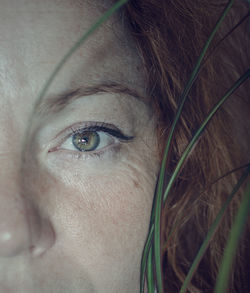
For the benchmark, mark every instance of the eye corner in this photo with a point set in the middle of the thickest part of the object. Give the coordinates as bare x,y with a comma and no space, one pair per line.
53,149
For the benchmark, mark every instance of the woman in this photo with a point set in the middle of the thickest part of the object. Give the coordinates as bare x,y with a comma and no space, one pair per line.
79,167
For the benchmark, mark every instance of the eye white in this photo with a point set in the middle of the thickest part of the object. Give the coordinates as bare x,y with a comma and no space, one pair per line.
105,140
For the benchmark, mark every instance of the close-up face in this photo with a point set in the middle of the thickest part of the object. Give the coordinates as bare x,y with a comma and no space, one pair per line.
79,167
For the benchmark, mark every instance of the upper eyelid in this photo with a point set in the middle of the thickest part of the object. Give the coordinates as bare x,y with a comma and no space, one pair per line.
116,133
84,126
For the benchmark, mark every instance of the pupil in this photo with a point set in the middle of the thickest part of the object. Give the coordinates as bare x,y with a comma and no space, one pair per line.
84,140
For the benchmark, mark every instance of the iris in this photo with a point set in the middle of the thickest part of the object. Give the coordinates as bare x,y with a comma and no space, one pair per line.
86,141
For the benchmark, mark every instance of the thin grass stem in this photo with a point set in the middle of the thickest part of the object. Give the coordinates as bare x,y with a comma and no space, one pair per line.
246,17
150,272
193,201
212,231
79,43
159,194
144,261
234,238
198,133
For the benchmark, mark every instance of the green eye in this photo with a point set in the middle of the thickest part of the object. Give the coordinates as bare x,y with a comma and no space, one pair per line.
86,141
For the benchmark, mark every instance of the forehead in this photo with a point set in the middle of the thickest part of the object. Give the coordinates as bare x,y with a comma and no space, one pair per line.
35,35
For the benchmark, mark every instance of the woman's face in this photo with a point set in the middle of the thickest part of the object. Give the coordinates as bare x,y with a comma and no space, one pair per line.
76,191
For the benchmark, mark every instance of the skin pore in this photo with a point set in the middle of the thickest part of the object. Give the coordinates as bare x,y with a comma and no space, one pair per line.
72,221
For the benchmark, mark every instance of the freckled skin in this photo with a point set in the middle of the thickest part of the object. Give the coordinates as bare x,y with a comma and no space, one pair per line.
66,224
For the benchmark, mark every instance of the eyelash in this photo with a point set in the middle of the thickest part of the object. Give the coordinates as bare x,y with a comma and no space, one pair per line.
92,127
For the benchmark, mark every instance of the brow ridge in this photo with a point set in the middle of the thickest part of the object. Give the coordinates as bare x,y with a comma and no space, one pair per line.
56,103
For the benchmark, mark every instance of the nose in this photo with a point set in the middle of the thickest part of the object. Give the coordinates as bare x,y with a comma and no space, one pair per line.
22,227
15,234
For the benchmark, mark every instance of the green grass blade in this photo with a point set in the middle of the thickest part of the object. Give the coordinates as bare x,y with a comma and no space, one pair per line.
157,246
211,232
150,272
241,80
230,250
148,245
145,256
246,17
185,93
159,194
198,133
189,85
186,152
80,41
178,222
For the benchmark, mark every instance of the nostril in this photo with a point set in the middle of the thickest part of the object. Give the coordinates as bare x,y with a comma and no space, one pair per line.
45,241
24,231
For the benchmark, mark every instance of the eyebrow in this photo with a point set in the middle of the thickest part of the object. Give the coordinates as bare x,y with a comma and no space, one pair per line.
56,103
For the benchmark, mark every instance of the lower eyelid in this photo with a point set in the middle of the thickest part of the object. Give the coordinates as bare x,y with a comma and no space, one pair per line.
68,155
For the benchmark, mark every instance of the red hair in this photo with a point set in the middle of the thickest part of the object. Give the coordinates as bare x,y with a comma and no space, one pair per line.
170,35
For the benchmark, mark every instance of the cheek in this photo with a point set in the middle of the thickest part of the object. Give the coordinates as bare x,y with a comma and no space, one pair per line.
108,213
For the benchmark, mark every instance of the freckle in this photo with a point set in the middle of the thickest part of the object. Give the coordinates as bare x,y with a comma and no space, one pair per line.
136,184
